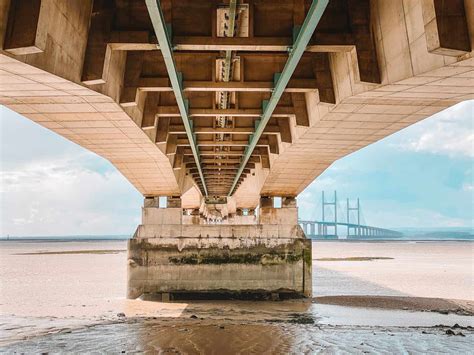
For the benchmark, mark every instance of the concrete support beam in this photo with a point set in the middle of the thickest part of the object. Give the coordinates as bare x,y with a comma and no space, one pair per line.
287,214
23,34
288,201
446,27
266,202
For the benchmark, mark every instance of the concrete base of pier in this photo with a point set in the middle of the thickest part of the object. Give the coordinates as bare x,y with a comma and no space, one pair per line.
269,260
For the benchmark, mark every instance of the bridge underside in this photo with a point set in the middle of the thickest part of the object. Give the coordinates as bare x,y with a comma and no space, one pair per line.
221,105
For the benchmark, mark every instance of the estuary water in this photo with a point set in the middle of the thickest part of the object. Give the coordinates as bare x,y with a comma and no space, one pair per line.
68,296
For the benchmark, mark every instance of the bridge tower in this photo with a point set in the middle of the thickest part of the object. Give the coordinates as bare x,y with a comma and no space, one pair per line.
355,226
325,224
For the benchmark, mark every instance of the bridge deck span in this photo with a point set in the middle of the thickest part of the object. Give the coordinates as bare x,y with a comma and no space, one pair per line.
320,229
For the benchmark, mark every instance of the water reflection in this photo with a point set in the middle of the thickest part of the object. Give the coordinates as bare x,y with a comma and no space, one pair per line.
213,337
219,327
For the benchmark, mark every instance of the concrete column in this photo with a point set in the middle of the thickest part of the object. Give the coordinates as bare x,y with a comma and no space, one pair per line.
152,214
266,202
288,202
174,202
286,215
192,217
151,202
168,255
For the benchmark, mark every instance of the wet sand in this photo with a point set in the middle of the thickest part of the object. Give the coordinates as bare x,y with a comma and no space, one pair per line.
204,337
417,269
69,297
420,304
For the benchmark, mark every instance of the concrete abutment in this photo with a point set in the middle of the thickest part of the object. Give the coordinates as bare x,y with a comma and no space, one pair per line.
268,259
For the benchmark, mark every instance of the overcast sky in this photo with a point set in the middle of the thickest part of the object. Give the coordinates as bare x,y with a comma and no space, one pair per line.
421,176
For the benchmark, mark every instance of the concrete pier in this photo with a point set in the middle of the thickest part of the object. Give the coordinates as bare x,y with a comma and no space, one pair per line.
269,260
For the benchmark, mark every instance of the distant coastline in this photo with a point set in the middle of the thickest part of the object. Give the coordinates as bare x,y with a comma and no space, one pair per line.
428,236
422,237
65,238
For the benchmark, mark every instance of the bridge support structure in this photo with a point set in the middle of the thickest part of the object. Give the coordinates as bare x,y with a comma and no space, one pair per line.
331,224
178,258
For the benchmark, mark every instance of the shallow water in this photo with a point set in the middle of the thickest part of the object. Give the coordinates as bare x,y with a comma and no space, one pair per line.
198,337
79,296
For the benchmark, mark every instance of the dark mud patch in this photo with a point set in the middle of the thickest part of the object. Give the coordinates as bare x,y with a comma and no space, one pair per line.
301,318
67,252
420,304
356,258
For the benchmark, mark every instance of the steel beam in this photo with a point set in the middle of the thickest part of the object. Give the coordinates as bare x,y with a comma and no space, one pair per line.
164,44
171,111
228,53
302,39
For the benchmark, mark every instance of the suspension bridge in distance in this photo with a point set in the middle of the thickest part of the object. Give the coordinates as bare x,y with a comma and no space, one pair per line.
329,227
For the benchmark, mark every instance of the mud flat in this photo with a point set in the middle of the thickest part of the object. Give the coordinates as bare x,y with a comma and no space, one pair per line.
420,304
375,297
228,337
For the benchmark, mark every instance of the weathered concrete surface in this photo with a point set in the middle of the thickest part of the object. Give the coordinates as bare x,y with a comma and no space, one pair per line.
235,265
255,260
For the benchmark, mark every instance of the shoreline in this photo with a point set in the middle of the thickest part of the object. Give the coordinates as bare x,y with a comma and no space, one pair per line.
196,334
388,295
406,303
314,240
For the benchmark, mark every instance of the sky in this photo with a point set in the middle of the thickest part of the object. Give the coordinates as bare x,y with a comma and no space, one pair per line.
420,177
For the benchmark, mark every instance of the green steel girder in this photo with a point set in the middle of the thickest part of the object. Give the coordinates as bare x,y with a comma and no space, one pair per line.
303,35
163,33
228,54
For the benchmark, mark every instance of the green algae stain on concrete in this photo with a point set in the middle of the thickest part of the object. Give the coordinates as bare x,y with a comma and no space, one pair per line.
270,258
215,259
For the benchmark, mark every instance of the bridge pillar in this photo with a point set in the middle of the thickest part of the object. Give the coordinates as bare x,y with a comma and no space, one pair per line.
169,255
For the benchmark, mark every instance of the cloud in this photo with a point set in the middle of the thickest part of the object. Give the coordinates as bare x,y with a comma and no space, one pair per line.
64,198
396,215
51,186
449,132
468,187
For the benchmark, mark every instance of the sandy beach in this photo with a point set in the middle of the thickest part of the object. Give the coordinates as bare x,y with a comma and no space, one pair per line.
367,297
